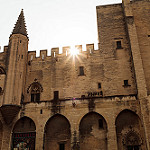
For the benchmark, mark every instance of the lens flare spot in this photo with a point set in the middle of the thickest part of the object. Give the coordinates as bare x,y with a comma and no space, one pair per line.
74,51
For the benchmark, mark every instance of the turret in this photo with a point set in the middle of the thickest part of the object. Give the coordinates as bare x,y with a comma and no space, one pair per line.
16,65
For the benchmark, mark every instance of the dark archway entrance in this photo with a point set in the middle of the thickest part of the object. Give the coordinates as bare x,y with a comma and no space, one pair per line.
93,132
57,133
24,134
130,133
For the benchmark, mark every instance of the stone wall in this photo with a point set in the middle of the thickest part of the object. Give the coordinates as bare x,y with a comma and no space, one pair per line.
97,99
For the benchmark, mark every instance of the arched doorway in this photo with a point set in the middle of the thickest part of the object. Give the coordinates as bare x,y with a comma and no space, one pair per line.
93,132
24,133
57,133
130,133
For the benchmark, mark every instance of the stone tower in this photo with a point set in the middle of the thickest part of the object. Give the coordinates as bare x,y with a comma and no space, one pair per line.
15,72
15,69
18,48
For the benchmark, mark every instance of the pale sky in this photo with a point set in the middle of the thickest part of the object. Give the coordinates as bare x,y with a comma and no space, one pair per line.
52,23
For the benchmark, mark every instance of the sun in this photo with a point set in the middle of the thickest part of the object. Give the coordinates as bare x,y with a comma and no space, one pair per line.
74,51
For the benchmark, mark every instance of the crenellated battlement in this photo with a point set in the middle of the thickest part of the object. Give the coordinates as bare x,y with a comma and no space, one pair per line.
4,50
56,52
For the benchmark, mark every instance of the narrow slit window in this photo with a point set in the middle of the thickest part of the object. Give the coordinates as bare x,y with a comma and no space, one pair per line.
41,111
0,90
56,95
126,83
31,57
81,70
42,56
99,86
90,51
32,97
61,146
118,43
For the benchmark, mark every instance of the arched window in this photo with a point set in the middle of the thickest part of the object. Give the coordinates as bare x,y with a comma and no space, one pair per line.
35,94
35,90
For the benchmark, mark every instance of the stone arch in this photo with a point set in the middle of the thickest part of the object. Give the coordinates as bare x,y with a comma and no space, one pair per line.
1,134
129,131
24,133
35,90
93,132
57,133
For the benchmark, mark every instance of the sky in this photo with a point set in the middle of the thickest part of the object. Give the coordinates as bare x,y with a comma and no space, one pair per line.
52,23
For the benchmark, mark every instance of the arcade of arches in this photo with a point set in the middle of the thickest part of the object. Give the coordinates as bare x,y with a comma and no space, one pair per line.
93,133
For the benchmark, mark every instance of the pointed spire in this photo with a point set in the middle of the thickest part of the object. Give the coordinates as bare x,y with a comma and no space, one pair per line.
20,27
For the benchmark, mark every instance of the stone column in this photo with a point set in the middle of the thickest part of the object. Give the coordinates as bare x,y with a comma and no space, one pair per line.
39,137
75,143
7,137
112,137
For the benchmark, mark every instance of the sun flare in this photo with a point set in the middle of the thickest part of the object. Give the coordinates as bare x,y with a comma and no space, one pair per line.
74,51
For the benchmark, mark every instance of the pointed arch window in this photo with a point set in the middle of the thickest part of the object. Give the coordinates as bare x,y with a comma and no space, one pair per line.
35,94
35,90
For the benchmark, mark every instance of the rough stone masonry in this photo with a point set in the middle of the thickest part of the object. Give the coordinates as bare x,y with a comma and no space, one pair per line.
97,100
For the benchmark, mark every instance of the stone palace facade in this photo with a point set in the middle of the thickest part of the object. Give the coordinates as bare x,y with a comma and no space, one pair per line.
96,100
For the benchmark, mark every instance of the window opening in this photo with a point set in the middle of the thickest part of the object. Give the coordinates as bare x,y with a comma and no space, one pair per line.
136,147
54,54
61,146
101,93
81,70
118,44
126,83
99,86
56,95
42,56
66,53
31,57
100,121
35,94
